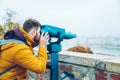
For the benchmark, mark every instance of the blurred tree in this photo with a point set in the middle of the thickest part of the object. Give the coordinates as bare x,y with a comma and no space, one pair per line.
12,25
10,20
1,32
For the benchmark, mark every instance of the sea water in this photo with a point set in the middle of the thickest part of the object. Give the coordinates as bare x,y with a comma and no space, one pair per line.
107,45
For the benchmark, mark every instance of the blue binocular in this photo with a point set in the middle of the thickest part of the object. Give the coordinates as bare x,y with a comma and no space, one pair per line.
57,32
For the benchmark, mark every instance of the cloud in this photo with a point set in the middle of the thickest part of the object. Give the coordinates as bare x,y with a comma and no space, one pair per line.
85,17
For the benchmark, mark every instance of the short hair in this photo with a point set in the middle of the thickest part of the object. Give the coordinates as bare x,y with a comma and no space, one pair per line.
30,24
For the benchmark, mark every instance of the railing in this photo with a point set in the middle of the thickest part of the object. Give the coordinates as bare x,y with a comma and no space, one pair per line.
85,66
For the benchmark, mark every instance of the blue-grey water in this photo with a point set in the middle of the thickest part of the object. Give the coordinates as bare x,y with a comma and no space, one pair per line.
99,45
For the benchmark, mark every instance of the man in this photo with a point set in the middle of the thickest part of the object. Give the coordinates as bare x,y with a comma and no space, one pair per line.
20,56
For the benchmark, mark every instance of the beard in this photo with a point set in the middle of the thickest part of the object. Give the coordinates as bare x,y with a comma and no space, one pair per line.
36,42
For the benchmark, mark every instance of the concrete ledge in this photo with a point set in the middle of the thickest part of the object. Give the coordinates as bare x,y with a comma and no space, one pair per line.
85,66
103,62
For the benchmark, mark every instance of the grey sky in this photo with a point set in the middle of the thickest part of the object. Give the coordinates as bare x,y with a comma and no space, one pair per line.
84,17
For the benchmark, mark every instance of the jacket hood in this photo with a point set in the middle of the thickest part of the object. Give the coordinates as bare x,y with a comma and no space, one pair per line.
14,34
19,34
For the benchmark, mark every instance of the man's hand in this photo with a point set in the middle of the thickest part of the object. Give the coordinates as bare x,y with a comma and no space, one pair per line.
44,39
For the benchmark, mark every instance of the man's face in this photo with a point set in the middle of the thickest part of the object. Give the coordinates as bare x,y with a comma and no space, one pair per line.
37,36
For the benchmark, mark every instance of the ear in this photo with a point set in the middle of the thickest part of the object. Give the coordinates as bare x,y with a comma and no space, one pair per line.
32,33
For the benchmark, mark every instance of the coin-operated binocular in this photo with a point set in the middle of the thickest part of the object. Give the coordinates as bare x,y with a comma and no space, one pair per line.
57,32
54,47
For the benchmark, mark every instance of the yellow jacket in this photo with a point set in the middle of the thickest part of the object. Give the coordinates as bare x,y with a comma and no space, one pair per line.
23,56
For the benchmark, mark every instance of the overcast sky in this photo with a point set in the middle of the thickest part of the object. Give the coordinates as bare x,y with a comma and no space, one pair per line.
84,17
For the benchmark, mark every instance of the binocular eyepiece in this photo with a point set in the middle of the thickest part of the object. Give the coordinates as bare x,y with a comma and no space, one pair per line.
56,32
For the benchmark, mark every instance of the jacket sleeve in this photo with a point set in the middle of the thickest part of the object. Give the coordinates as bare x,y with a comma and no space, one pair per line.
26,59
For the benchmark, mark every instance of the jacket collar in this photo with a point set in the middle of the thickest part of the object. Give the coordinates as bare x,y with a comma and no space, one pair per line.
29,40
